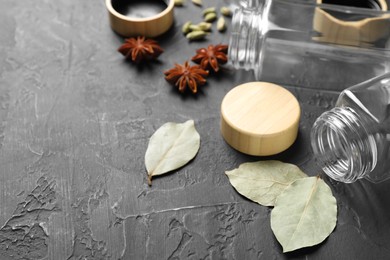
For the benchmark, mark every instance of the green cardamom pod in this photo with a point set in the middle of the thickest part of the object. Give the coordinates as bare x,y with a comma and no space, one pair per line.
194,27
179,2
210,17
226,11
197,2
209,10
196,35
205,26
221,24
186,27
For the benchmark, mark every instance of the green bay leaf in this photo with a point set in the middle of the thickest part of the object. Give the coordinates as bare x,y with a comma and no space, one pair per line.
304,214
264,181
172,146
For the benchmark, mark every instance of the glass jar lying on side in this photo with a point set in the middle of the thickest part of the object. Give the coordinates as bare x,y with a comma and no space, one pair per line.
293,42
352,140
243,3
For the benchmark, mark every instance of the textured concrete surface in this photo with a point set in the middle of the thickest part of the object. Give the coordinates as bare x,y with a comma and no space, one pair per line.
75,120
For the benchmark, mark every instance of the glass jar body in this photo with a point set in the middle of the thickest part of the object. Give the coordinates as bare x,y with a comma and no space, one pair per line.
243,3
285,42
352,140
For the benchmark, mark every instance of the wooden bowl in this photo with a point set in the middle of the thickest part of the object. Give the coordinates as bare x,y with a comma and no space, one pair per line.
364,32
149,27
260,118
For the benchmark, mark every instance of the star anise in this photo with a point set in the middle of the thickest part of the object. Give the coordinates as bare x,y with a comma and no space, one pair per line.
139,49
211,57
183,76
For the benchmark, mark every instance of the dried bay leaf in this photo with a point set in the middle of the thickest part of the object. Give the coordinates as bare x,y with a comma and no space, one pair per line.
171,147
304,214
263,181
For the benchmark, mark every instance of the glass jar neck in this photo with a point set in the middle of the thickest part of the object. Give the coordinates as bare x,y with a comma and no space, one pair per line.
342,145
249,3
247,36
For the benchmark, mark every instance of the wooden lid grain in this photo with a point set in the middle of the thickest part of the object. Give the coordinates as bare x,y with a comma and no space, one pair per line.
260,118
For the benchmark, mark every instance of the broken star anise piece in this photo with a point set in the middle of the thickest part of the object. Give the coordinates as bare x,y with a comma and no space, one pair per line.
183,76
139,49
211,57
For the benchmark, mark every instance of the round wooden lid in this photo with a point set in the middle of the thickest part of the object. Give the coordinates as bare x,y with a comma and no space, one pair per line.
260,118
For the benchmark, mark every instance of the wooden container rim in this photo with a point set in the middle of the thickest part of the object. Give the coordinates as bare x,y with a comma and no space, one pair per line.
358,23
383,4
166,11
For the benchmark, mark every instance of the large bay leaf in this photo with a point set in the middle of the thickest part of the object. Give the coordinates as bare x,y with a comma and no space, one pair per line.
304,214
263,181
170,147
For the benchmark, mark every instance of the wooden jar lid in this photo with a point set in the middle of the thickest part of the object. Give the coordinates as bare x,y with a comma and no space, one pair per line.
149,27
362,32
260,118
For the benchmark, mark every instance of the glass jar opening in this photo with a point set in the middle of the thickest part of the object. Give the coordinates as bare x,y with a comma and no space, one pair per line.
333,151
341,146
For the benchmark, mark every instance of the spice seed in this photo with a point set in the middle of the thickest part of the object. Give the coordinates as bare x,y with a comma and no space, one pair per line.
194,27
210,17
197,2
179,2
196,35
205,26
209,10
186,27
226,11
221,24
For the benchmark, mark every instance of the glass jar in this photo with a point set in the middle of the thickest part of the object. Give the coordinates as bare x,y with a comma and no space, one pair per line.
293,42
243,3
352,140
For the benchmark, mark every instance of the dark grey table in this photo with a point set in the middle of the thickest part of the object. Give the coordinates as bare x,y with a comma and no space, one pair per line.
75,120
